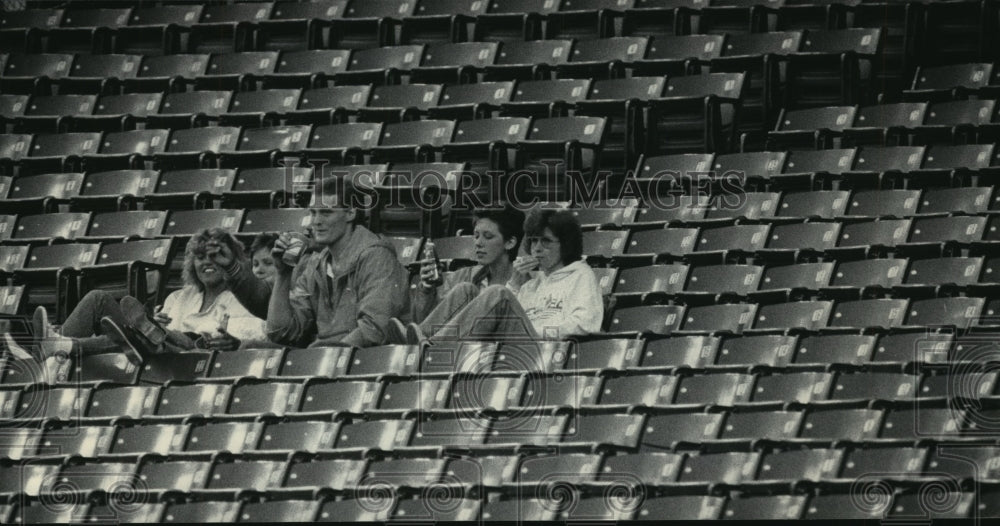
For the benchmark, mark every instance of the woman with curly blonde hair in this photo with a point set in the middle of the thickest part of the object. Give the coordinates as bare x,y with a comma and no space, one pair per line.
203,313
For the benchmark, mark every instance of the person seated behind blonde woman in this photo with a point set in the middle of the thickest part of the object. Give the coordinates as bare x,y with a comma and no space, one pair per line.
204,313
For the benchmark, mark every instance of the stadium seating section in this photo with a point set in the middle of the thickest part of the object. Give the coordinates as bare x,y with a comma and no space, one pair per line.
800,255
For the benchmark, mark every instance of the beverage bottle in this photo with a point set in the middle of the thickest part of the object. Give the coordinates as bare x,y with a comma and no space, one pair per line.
430,253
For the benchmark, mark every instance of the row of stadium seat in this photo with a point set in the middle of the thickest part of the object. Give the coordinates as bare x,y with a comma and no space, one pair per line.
456,62
900,501
660,357
302,25
654,469
659,244
431,432
367,103
466,396
489,144
286,186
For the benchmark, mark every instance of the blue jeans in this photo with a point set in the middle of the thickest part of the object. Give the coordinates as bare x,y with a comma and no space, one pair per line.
465,313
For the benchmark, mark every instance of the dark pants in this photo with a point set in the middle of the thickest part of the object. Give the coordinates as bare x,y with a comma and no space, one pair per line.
465,313
84,326
84,323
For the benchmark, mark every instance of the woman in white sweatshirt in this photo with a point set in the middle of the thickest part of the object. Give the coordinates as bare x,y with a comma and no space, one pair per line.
559,300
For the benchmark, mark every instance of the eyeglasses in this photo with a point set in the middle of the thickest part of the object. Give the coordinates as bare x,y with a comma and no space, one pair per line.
544,242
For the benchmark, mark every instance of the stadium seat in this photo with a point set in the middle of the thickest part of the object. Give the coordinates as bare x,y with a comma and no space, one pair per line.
692,351
198,147
770,350
758,54
379,65
696,114
42,193
195,399
771,425
846,424
98,73
190,189
455,63
833,67
666,430
472,101
811,127
728,468
297,436
270,188
156,30
723,389
204,511
34,72
803,387
851,349
295,26
644,390
227,28
602,57
349,396
233,437
441,22
279,511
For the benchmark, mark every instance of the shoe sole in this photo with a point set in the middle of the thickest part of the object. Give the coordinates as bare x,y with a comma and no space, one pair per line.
396,333
113,331
135,315
16,350
414,336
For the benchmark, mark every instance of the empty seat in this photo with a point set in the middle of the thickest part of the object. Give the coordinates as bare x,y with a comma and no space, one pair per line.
237,71
884,203
169,72
368,25
886,123
261,107
198,147
676,55
811,127
227,28
307,68
441,22
381,65
67,225
297,26
696,114
28,73
455,62
513,21
99,73
846,424
528,60
156,30
655,319
808,315
833,67
603,57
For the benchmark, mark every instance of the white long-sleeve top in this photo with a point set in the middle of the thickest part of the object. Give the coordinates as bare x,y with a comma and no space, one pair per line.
564,303
183,307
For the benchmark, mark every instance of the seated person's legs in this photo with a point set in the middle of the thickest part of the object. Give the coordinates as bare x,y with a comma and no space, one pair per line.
457,298
494,313
85,320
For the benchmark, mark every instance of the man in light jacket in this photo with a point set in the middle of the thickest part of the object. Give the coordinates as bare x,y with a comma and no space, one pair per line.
345,293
